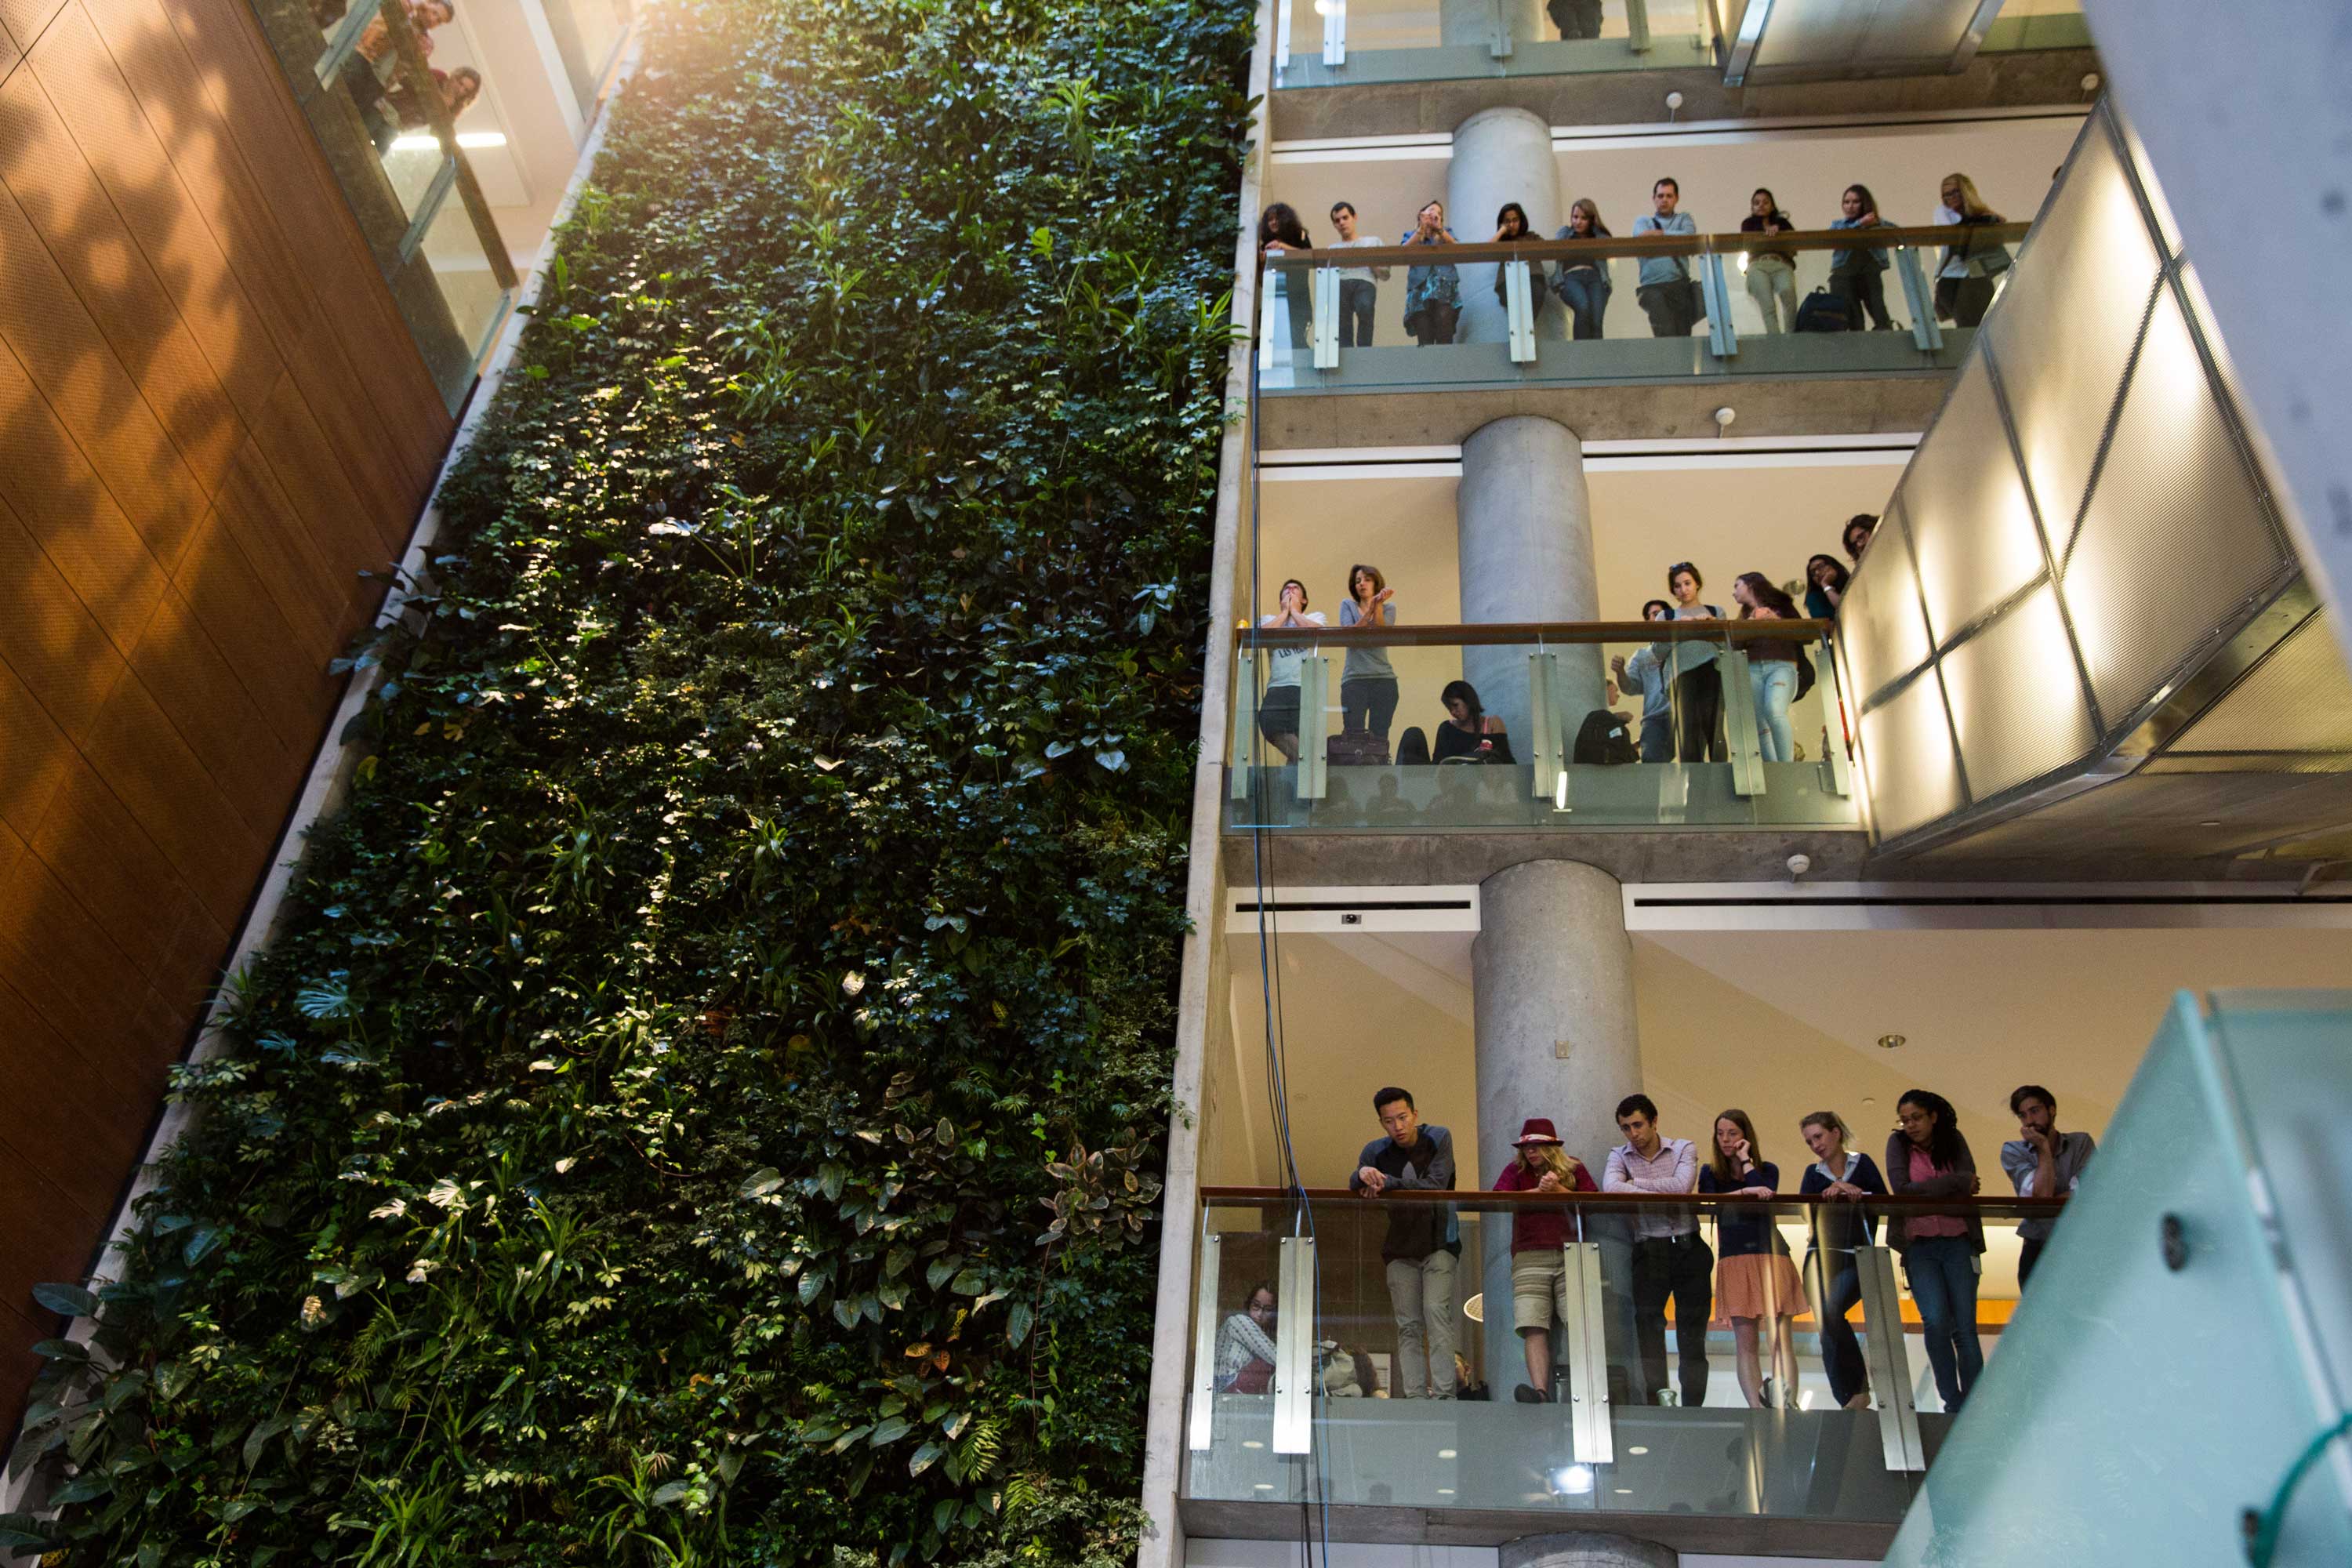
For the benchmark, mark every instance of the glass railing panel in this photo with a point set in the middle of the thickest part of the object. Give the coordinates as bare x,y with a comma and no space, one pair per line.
588,35
1331,324
2037,25
1376,732
458,257
1338,43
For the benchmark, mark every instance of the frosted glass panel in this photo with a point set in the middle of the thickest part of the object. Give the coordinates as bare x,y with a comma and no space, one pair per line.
1879,622
1907,749
2174,541
2016,698
1971,530
2161,1402
2067,321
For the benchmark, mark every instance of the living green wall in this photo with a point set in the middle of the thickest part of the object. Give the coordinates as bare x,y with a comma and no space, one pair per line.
709,1102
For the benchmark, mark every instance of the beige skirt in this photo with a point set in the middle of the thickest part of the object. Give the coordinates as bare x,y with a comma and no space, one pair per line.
1740,1284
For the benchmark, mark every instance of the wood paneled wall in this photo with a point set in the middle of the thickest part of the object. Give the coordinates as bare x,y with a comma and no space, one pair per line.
212,419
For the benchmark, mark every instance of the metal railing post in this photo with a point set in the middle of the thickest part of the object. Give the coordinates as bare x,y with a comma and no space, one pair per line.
1244,722
1518,302
1294,1349
1281,39
1825,680
1922,299
1888,1358
1586,1332
1326,318
1204,1342
1722,338
1335,33
1739,725
1314,688
1543,722
1637,25
1499,31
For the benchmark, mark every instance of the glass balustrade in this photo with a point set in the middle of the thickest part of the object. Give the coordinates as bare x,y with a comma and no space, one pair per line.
1451,728
1553,313
1381,1368
2037,25
1341,43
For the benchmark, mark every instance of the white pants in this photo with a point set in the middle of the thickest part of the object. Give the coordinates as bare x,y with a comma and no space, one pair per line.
1422,1295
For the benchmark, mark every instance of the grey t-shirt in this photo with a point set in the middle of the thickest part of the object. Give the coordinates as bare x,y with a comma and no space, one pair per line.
1362,661
2022,1164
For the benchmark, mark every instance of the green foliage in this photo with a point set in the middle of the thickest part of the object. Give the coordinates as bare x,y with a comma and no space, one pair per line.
707,1105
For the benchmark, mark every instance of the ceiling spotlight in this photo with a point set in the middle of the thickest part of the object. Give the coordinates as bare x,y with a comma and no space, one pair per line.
1888,1042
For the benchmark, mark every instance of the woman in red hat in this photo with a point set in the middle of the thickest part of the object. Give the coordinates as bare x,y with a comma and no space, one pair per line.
1538,1272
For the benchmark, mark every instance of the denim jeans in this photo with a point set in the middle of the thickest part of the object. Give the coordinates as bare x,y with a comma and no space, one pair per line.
1584,293
1772,281
1368,703
1943,1274
1356,313
1863,287
1774,683
1658,738
1836,1285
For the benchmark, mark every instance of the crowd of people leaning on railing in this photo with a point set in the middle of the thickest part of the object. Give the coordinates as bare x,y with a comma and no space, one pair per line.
1669,295
1678,683
389,104
1747,1282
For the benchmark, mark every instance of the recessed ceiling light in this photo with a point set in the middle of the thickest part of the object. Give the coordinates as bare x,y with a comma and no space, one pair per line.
1266,1486
1888,1042
1445,1453
1252,1443
1624,1491
2209,825
1445,1491
1637,1450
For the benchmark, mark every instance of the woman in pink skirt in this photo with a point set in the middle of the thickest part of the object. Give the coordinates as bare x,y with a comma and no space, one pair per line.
1755,1280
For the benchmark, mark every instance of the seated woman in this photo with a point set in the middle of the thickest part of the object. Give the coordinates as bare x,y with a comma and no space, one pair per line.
1756,1287
1469,732
1246,1347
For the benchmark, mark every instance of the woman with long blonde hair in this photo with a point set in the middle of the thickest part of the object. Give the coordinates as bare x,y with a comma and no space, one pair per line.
1965,281
1538,1269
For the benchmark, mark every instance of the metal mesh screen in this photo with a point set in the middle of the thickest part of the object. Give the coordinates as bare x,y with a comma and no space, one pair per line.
2174,542
1972,531
2067,321
1906,746
2298,700
2016,698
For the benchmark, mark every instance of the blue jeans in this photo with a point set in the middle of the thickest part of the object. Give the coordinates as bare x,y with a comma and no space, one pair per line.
1658,738
1774,683
1836,1284
1943,1274
1585,293
1356,299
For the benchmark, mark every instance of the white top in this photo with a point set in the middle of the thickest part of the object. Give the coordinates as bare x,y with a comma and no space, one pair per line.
1282,663
1358,274
1956,267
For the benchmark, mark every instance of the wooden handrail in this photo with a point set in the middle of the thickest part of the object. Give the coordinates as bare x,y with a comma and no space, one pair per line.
1494,634
1648,245
1995,1207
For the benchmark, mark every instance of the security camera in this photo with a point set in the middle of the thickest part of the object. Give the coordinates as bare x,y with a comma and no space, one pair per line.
1799,864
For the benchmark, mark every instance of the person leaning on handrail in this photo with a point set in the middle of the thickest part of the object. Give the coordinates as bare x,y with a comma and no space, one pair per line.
1358,291
1538,1267
1856,275
1943,1253
1857,535
1771,274
1582,282
1433,294
1825,584
1668,296
1422,1245
1279,232
1698,677
1774,664
1832,1264
1368,682
1511,224
1964,282
1757,1289
2042,1163
1671,1259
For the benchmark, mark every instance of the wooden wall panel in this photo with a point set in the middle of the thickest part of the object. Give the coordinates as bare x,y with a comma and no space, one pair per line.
212,421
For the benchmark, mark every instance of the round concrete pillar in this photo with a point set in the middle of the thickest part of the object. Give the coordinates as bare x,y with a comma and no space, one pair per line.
1552,999
1500,155
1525,551
1585,1549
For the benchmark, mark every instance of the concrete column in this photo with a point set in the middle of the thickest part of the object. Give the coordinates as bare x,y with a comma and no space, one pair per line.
1500,155
1468,21
1585,1549
1553,972
1525,545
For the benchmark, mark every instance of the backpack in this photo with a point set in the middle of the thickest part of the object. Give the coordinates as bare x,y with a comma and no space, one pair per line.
1823,312
1603,738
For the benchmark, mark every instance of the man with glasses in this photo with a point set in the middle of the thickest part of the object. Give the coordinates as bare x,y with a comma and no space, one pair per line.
1423,1242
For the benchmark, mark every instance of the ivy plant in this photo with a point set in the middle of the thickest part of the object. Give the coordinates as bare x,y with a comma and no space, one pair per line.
706,1102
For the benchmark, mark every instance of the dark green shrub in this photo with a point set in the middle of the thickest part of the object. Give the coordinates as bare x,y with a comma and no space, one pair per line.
757,923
